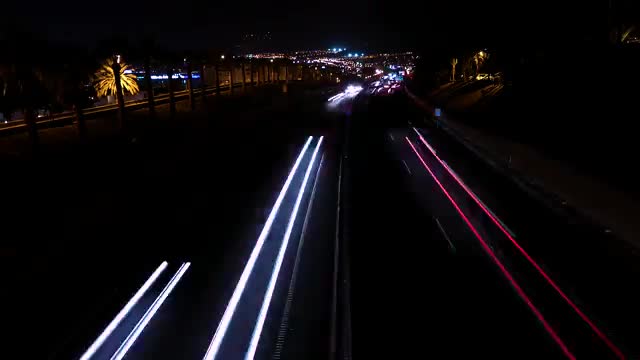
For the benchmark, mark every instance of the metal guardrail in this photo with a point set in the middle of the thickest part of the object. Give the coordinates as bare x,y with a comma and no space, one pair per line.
67,118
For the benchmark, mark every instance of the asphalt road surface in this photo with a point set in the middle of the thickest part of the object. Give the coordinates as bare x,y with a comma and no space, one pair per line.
449,257
300,228
86,225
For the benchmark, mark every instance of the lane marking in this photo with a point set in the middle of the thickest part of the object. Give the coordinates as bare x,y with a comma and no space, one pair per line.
123,313
497,261
284,324
614,348
255,337
221,331
137,330
444,233
406,166
334,289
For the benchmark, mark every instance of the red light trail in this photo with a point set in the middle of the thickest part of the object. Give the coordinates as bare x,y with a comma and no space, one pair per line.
566,298
497,261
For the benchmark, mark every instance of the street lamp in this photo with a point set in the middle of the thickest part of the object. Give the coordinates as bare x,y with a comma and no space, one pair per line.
222,57
271,60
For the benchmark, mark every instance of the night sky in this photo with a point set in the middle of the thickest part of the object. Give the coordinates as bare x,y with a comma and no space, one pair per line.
356,24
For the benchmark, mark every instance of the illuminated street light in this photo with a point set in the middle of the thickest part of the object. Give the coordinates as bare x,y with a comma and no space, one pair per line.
271,60
222,57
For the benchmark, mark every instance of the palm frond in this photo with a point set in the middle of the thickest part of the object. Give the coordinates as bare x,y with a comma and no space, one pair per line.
105,82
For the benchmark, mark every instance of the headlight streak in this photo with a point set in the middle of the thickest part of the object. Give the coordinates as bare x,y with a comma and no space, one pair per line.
123,313
221,331
255,337
137,330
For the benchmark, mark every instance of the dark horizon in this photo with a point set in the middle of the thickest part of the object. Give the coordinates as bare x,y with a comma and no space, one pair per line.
377,25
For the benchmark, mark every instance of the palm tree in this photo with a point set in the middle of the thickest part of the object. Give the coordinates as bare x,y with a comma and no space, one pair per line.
454,62
107,75
112,78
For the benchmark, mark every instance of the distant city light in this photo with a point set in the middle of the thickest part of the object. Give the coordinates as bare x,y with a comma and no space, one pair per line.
350,55
350,92
175,76
222,57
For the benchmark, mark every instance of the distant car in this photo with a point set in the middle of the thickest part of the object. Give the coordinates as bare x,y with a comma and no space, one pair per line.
482,77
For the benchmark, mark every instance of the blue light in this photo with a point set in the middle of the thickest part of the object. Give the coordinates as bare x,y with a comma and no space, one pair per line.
175,76
350,55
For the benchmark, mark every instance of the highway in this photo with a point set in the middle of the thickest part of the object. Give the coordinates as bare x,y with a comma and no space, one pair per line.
484,268
310,227
190,202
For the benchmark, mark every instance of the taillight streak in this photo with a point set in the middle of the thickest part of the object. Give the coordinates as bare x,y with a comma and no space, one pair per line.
497,261
507,233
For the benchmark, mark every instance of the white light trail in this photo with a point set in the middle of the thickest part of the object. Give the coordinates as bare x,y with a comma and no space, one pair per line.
257,330
123,313
137,330
221,331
